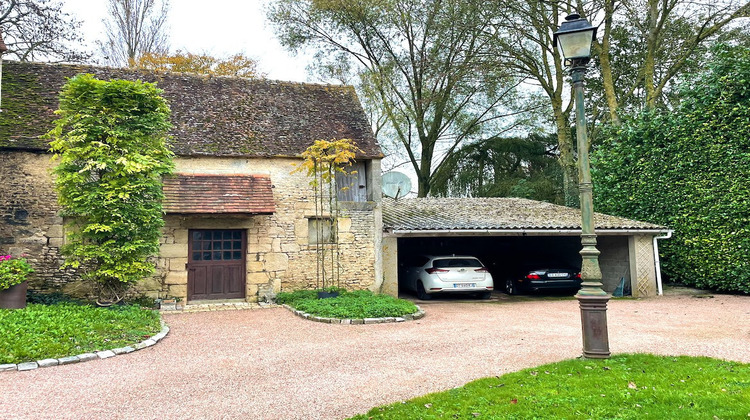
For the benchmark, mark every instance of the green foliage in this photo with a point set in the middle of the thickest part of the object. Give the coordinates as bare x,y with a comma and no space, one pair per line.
67,329
111,143
348,305
627,386
322,160
50,298
13,271
523,167
690,170
427,67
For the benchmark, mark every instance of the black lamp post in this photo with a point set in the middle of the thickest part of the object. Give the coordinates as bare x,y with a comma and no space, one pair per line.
574,38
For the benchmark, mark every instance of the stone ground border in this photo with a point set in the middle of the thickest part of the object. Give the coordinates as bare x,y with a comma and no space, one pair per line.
408,317
85,357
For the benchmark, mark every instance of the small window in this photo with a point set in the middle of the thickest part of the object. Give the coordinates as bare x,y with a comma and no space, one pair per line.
320,231
352,184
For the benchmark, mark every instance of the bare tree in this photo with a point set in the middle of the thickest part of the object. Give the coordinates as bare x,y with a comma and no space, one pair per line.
35,30
135,28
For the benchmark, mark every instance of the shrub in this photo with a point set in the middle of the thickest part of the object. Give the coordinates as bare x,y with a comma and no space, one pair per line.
348,305
13,271
688,170
111,143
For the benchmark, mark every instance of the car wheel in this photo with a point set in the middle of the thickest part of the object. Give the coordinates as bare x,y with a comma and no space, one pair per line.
421,293
485,295
510,287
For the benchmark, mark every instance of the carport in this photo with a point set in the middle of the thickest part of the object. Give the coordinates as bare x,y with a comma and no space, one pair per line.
510,233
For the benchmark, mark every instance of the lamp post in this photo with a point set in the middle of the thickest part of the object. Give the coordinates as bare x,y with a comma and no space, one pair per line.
574,38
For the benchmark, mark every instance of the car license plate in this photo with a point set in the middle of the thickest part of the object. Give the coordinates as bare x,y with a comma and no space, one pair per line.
557,275
460,285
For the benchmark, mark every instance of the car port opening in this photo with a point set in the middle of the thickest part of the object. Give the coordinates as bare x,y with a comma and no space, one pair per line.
504,256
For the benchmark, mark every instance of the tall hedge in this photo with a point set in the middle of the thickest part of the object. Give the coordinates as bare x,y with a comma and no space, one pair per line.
111,143
689,169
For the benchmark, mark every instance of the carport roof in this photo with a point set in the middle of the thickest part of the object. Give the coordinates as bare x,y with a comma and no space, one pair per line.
494,214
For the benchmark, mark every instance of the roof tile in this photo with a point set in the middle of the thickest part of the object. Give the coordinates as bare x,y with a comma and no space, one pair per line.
211,116
493,214
210,194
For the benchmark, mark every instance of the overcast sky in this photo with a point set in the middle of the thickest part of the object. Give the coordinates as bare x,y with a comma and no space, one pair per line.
217,27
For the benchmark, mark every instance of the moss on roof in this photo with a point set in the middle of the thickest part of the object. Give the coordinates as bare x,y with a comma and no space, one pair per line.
211,116
493,214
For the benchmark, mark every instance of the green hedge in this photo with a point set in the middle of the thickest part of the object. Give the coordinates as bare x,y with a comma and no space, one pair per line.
689,169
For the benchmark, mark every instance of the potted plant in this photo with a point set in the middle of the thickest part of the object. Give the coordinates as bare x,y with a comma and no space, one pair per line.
13,284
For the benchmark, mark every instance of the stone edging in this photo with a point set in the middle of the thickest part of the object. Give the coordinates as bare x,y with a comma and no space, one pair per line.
85,357
408,317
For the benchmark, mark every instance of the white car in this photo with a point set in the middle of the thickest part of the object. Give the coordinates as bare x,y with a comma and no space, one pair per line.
426,275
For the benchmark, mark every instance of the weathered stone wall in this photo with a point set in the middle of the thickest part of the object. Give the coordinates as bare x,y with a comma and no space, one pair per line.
279,256
30,224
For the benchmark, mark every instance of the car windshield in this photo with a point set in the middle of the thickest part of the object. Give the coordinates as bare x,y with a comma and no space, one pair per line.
456,262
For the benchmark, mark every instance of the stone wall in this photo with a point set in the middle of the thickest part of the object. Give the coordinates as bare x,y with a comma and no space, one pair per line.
30,224
613,261
279,257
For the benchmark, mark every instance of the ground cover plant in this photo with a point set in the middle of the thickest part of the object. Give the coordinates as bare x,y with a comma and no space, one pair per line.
348,305
68,328
627,386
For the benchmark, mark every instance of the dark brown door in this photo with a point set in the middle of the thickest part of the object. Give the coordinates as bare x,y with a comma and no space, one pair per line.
216,264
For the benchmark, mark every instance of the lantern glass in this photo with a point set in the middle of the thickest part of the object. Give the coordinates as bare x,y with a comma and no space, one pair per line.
575,44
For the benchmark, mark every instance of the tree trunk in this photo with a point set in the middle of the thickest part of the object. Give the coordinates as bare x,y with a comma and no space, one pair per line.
649,66
567,162
606,65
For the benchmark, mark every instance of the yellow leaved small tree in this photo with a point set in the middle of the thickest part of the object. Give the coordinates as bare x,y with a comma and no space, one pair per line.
322,161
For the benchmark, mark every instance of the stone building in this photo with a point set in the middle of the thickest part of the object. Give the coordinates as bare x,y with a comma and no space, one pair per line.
238,221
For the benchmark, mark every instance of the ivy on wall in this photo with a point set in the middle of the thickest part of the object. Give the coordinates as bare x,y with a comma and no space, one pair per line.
110,140
689,169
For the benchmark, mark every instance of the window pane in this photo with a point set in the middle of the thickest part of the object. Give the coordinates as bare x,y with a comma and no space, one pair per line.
319,231
237,235
237,255
207,256
206,246
217,256
217,245
227,245
227,235
236,245
197,246
207,235
196,256
197,236
227,255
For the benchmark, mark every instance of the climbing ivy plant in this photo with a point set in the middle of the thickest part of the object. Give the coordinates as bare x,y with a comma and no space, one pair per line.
321,162
110,141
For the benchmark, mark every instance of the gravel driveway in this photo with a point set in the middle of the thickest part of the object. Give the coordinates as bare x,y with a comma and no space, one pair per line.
269,364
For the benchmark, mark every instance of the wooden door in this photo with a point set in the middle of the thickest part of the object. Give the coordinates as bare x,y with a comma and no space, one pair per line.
216,264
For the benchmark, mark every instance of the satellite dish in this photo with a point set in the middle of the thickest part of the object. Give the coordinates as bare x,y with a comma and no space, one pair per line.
396,184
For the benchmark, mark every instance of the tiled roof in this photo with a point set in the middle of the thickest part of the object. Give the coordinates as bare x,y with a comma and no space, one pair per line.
493,214
211,116
210,194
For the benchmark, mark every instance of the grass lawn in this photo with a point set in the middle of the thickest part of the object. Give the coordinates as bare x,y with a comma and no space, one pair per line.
67,329
627,386
348,305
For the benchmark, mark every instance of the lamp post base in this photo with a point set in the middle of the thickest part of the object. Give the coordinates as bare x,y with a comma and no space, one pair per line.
594,324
